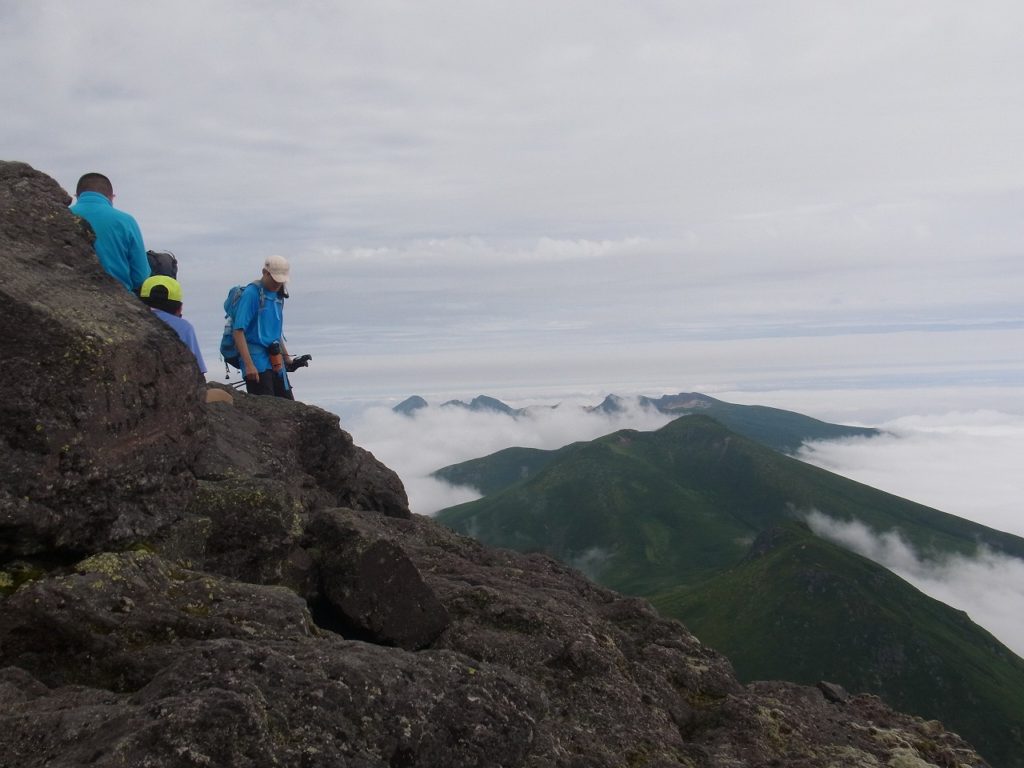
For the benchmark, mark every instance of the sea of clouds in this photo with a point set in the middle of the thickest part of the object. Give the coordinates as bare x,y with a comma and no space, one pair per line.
967,463
964,462
435,437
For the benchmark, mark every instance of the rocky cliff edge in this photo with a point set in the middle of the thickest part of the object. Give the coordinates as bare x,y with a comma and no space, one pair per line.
186,583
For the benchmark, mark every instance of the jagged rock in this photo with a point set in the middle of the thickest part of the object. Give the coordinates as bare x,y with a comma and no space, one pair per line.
302,450
368,586
268,464
101,415
219,395
834,693
156,578
206,671
107,439
114,619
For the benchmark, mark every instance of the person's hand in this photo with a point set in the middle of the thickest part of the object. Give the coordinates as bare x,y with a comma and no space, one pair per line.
251,373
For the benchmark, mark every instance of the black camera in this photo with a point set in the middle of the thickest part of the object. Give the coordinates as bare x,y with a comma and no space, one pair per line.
299,362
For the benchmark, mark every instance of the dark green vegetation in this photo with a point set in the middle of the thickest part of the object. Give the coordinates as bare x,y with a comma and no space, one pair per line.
804,609
652,510
672,515
499,470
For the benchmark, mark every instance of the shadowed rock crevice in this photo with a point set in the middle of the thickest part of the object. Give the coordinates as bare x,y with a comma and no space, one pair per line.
367,586
330,619
190,543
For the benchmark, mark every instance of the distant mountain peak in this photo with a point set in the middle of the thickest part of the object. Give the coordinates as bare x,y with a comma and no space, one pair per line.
410,405
483,403
611,404
782,430
684,401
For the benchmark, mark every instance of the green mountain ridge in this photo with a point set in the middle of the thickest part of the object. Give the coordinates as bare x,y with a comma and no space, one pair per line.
775,428
679,504
671,513
797,594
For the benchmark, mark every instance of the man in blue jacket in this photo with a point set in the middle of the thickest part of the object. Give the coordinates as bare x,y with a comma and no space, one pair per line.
258,331
118,238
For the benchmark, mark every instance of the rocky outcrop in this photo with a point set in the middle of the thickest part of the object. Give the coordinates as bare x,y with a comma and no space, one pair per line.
368,586
100,412
175,595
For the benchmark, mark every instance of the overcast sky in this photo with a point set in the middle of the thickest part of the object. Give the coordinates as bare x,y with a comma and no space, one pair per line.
496,194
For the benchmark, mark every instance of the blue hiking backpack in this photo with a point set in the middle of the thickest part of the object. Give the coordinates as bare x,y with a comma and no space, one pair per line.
228,350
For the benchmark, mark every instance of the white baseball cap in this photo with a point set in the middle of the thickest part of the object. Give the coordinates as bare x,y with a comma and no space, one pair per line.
278,268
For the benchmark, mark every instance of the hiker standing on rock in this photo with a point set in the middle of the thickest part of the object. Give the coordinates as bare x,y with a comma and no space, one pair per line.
118,241
258,331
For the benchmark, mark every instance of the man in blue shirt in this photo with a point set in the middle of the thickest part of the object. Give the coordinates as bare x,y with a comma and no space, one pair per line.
163,295
118,238
258,331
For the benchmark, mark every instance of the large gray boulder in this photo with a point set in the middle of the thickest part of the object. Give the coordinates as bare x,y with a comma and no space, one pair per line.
174,595
101,415
267,465
369,584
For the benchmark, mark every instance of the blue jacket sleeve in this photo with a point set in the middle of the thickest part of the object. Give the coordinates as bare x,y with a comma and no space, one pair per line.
138,262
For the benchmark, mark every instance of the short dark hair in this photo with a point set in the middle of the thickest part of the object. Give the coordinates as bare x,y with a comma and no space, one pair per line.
95,182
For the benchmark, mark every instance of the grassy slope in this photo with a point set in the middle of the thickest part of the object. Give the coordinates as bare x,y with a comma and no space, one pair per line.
492,473
644,511
807,610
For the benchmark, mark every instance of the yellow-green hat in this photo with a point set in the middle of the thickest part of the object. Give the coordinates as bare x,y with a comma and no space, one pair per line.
161,287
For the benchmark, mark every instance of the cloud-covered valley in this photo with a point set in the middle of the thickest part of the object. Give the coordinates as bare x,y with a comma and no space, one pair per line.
966,463
438,436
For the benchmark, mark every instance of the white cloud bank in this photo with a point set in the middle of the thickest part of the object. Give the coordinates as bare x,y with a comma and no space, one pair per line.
989,587
967,463
435,437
